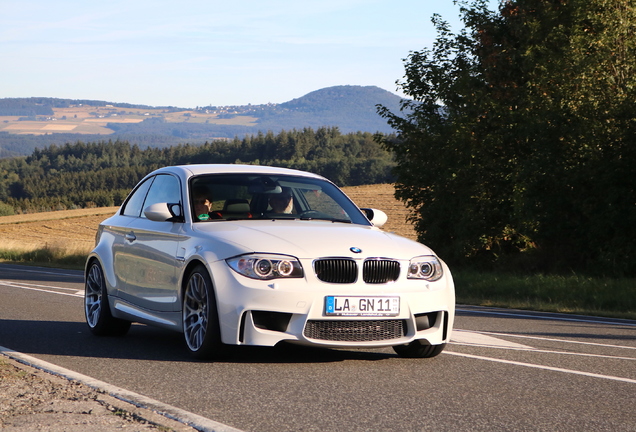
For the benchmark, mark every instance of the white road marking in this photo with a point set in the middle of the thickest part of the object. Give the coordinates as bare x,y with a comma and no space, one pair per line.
550,339
43,288
465,337
536,366
28,285
534,350
36,270
482,339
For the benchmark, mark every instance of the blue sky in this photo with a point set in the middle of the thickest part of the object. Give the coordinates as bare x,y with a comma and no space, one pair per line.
206,52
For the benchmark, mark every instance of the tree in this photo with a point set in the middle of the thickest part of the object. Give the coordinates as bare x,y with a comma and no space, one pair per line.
519,138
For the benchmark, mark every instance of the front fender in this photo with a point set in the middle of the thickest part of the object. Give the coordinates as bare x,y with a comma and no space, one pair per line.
103,253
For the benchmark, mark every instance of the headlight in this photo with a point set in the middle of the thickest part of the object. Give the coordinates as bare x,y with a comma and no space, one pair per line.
425,267
265,267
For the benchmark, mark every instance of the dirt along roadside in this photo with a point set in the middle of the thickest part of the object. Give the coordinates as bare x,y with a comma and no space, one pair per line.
32,399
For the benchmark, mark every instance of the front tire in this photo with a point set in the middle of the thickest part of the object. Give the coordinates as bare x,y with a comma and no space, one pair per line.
96,308
417,349
200,317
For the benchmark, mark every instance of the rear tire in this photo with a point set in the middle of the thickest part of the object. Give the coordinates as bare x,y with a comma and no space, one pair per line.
417,349
96,308
200,316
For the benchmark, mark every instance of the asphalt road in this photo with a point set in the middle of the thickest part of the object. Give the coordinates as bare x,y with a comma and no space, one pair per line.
505,370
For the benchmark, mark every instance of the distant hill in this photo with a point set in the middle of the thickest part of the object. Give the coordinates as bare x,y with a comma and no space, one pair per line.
44,106
27,123
351,108
342,99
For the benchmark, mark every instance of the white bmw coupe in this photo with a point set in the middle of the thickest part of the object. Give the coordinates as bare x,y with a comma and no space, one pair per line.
252,255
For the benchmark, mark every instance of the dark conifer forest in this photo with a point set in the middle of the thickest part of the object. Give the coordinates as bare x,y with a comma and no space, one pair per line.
100,174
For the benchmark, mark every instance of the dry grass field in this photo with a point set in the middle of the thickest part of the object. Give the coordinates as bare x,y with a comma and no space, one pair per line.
69,231
381,197
73,231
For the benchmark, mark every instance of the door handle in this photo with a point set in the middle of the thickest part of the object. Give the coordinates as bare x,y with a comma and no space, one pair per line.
131,237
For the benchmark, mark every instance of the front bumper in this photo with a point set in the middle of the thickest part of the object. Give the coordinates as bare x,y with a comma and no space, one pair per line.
264,313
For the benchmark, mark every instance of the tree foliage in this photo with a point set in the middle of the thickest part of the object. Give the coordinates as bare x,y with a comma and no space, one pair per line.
519,149
101,174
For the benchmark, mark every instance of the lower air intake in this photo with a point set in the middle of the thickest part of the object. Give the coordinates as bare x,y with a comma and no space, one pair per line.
355,331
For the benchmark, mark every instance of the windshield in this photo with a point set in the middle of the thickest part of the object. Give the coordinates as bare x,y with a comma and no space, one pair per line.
221,197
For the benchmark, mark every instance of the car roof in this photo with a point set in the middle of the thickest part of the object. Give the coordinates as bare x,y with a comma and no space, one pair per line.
199,169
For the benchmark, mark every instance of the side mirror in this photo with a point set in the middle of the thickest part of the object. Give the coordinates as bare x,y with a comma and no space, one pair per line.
164,212
375,216
175,209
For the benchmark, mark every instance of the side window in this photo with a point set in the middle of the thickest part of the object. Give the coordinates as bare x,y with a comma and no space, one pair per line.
165,189
136,200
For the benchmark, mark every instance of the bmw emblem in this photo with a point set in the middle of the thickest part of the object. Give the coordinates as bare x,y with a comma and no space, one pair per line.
355,249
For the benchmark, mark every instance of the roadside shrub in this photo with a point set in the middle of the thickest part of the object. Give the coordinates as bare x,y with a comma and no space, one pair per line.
6,209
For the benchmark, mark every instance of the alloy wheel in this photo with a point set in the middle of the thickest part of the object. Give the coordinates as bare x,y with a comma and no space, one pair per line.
196,311
93,295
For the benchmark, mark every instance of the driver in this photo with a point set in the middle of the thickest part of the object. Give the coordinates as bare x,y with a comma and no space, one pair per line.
202,201
282,203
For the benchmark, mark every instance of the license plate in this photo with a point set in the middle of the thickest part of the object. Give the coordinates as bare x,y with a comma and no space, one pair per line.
362,306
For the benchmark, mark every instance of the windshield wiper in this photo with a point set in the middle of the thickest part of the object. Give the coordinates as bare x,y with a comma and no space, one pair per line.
326,219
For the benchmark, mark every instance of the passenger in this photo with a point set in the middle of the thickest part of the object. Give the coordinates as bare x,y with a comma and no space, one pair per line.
282,203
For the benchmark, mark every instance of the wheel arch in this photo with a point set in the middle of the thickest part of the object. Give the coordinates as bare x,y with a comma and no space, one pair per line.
186,272
107,271
213,344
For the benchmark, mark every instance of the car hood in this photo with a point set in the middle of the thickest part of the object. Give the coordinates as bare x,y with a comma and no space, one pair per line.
311,239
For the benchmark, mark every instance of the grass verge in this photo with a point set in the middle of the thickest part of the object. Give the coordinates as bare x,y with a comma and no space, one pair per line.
574,294
45,257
